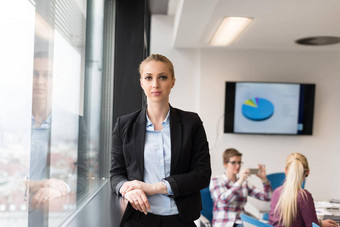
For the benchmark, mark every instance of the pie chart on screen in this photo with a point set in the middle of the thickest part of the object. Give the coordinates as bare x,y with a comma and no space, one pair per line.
257,109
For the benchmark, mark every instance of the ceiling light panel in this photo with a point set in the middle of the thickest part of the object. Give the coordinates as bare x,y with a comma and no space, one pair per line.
229,30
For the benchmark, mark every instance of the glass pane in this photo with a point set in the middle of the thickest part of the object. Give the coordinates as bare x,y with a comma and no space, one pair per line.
16,45
58,165
50,120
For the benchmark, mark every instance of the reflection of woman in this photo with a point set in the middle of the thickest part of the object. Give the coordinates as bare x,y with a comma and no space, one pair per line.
42,188
54,135
160,157
229,193
291,205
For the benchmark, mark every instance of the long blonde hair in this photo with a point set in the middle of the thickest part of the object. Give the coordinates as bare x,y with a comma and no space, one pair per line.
296,171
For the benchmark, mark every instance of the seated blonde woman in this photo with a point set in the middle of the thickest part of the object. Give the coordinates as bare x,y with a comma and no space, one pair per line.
292,206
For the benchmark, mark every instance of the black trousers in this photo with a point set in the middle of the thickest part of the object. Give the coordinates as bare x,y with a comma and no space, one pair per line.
139,219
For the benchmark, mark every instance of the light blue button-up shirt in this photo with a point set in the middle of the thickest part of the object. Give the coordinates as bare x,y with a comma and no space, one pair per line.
157,162
40,137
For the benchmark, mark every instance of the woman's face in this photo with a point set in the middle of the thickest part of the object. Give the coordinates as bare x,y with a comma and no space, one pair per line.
157,81
42,79
234,165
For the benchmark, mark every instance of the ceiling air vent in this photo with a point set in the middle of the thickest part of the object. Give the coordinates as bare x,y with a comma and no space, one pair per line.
318,40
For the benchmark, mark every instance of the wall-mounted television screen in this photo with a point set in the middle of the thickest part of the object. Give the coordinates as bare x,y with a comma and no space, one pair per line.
269,108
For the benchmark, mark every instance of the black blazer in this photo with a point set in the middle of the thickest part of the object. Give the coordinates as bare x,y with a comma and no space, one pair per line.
190,160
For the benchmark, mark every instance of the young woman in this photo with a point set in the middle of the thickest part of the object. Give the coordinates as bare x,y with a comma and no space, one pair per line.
229,193
292,206
160,155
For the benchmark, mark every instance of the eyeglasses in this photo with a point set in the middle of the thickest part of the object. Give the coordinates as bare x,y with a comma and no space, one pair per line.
234,163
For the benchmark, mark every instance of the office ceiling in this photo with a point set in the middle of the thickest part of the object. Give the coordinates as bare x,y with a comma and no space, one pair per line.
277,23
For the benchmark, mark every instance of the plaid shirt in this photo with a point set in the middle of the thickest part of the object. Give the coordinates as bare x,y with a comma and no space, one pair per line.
229,199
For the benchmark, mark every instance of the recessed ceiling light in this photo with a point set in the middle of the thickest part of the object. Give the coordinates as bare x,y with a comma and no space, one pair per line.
318,40
229,30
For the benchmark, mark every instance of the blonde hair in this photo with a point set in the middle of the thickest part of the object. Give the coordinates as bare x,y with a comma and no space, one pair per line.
296,170
160,58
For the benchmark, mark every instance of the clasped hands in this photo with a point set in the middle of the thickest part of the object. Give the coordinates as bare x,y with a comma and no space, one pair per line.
46,190
136,193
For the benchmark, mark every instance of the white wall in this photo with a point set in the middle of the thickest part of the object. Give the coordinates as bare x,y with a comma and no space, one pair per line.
321,149
201,76
186,63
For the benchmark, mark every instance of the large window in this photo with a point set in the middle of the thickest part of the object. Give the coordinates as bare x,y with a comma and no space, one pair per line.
54,113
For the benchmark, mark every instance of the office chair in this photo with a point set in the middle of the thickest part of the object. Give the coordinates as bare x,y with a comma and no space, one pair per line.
253,221
315,225
207,207
277,179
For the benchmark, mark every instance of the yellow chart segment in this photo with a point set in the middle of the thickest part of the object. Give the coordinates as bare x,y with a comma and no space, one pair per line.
250,102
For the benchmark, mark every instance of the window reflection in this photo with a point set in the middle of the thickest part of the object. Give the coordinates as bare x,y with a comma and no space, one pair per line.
49,146
54,161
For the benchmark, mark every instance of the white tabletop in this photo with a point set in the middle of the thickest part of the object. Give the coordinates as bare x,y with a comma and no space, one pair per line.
326,208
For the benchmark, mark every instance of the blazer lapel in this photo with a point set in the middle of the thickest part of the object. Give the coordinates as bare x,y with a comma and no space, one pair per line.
176,137
139,138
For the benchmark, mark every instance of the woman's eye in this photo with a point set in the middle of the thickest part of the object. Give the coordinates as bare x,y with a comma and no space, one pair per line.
148,77
47,75
163,77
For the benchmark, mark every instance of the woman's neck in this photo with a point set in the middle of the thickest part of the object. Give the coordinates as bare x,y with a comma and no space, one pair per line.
40,111
157,113
231,176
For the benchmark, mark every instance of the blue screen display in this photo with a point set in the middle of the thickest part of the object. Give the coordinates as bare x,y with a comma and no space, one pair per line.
269,108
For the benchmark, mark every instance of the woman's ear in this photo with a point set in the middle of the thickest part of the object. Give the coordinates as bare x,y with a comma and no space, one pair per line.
173,82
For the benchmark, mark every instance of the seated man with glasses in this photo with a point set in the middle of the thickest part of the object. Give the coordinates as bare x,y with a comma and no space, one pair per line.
229,192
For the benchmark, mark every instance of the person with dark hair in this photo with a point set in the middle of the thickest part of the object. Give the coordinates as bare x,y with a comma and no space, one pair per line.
229,192
160,155
292,206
